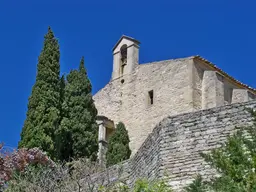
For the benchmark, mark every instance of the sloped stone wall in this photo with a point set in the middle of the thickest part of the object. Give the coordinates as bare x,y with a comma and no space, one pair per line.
175,143
184,137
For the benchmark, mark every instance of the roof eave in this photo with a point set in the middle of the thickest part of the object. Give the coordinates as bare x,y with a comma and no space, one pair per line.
230,78
125,37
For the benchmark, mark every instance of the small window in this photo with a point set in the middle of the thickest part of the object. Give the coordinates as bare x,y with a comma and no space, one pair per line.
151,97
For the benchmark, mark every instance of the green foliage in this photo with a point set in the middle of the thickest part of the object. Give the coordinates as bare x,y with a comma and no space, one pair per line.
61,116
62,92
197,185
141,185
235,161
77,133
43,113
118,146
117,187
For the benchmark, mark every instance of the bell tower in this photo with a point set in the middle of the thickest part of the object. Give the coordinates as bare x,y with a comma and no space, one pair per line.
125,56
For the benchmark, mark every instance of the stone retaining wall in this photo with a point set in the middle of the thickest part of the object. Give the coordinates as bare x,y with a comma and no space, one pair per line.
174,145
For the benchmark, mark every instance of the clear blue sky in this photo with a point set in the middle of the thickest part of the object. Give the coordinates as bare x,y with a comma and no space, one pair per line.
224,33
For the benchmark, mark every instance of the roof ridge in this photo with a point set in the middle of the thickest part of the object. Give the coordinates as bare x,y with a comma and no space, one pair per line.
177,59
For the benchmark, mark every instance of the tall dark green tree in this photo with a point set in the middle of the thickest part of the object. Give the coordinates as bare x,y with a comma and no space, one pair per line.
43,108
62,92
77,134
118,146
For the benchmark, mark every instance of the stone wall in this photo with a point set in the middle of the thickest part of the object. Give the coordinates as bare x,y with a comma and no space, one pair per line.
185,136
128,101
179,86
175,143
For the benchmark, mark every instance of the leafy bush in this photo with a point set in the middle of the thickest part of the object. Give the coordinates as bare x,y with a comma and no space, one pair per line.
73,176
197,185
18,161
144,185
141,185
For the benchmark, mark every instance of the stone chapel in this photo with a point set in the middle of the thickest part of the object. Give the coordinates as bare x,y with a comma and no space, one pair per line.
141,95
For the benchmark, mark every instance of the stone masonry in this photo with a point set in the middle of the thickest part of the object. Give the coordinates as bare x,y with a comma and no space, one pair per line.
174,145
142,95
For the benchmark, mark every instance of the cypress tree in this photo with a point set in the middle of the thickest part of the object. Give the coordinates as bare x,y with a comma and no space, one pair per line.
62,91
43,108
77,134
118,146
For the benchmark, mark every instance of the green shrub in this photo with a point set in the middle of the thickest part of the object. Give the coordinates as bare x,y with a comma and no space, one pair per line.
141,185
144,185
118,146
